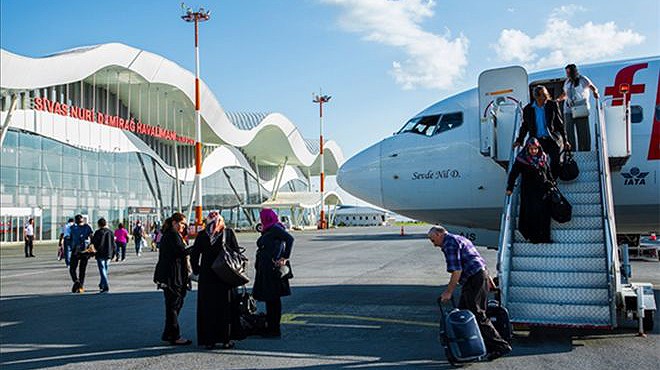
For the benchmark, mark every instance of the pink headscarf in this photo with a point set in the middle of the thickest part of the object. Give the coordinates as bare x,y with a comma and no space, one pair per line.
268,218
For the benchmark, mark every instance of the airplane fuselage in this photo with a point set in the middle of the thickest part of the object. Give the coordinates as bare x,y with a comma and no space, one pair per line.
444,178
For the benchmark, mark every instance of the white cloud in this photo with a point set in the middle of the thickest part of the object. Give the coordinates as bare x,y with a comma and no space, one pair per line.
561,43
431,60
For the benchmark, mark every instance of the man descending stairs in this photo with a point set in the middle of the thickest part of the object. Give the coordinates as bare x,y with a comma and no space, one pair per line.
566,282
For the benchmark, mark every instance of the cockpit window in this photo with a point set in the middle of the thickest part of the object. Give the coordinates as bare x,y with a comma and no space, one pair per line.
449,121
434,124
421,125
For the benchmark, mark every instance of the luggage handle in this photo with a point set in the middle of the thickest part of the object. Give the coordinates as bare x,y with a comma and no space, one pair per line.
442,305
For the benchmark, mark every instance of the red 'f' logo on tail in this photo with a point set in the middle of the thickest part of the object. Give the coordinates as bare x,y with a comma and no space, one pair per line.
654,146
625,77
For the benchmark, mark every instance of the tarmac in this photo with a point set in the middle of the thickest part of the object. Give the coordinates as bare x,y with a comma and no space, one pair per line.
363,298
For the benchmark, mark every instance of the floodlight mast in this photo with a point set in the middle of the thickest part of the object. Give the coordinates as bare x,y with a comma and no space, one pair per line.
197,16
320,99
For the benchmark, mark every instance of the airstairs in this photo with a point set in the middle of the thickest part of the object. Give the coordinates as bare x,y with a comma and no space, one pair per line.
568,282
574,281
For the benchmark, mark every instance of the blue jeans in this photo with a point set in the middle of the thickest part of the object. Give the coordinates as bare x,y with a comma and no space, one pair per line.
66,244
103,272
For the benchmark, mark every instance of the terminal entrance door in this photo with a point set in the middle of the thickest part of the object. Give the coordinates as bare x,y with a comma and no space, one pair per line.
13,221
148,216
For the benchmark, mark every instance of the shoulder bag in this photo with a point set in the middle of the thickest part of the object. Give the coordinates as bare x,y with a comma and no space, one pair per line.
569,169
231,265
560,209
579,108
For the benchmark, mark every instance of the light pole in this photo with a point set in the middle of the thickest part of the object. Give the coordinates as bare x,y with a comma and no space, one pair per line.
199,16
320,99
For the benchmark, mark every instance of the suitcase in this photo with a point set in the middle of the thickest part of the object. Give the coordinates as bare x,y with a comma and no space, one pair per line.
499,316
460,336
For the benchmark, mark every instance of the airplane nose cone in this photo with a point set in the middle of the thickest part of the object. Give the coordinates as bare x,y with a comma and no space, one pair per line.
360,175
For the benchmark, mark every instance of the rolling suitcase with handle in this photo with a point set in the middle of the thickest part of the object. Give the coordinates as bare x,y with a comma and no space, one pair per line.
460,336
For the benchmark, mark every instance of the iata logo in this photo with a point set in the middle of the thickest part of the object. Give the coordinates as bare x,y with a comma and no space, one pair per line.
634,177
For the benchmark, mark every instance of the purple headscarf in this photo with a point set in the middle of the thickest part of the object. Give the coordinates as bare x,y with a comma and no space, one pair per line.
268,218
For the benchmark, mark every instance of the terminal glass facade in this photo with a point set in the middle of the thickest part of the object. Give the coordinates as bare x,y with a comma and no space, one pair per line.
61,181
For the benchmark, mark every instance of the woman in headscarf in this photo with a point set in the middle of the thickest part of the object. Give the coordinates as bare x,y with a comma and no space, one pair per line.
217,314
171,275
274,250
534,216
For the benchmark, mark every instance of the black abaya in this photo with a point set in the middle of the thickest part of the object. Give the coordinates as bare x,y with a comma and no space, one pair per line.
217,312
534,216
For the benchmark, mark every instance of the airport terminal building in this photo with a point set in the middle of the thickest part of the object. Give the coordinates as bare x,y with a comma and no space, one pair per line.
107,131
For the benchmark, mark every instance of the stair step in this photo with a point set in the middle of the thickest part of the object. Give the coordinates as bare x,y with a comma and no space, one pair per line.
579,223
582,198
579,186
584,166
585,176
580,210
560,279
541,294
571,236
559,314
568,263
557,249
585,157
577,235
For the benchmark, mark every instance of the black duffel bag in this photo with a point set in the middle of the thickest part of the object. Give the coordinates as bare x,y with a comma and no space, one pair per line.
231,265
569,169
560,209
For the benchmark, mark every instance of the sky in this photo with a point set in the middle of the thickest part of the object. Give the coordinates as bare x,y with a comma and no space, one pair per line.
382,61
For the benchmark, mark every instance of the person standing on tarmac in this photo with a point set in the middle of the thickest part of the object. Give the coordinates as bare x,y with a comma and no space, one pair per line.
28,235
138,235
80,234
121,238
104,243
171,275
65,241
468,268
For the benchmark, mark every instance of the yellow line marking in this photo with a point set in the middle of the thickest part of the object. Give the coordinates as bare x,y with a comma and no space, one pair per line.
291,319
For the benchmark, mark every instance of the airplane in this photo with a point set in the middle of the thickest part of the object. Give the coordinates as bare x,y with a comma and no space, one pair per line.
447,164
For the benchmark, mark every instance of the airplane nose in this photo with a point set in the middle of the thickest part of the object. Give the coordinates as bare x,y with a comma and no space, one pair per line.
360,175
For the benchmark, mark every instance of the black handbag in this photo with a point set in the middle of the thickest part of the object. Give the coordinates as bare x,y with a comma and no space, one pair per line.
569,169
231,265
560,209
247,305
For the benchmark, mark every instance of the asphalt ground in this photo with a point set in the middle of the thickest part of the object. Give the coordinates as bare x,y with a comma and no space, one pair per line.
362,298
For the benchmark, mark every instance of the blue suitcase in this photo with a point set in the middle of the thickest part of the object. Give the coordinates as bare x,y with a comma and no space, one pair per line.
461,337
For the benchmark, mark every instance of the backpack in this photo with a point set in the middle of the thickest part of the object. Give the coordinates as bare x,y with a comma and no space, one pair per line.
137,231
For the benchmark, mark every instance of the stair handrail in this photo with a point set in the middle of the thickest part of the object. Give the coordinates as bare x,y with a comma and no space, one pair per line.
506,223
607,201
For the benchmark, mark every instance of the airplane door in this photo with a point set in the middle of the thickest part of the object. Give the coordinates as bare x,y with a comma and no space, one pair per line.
502,94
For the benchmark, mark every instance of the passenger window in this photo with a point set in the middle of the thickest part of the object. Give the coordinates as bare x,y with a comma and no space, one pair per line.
421,125
449,121
636,114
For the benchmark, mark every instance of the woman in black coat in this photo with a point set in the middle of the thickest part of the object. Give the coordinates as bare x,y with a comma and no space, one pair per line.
218,318
534,216
171,275
274,250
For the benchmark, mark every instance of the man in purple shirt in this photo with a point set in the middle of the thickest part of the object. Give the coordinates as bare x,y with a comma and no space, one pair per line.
468,268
